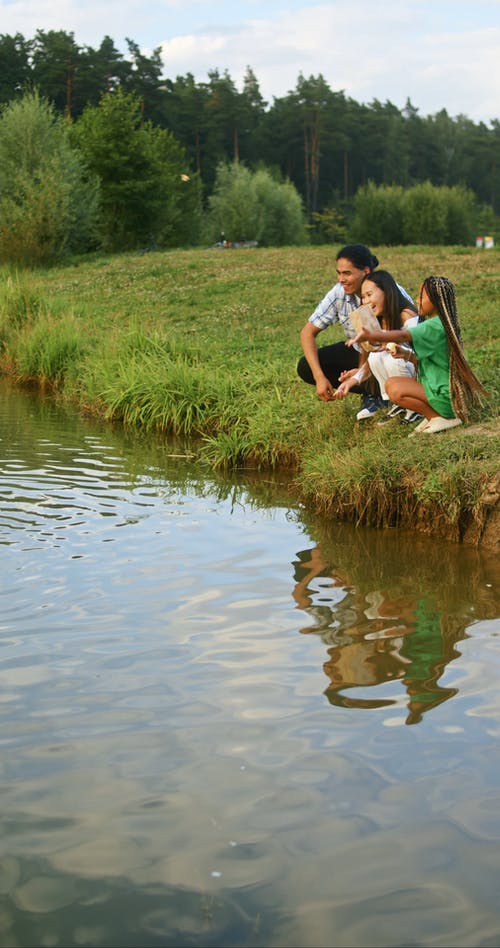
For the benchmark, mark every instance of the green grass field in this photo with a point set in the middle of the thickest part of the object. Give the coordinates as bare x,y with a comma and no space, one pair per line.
204,344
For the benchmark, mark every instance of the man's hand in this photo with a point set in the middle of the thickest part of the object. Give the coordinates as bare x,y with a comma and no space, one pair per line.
325,389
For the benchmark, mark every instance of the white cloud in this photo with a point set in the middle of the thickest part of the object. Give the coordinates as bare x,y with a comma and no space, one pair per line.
434,69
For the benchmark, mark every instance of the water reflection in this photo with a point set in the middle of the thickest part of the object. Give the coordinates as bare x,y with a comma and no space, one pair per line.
391,610
172,774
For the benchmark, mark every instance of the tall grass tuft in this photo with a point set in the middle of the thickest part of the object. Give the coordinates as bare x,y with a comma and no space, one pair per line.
146,383
19,305
48,351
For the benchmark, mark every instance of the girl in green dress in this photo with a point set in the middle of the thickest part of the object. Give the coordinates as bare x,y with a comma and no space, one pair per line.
446,386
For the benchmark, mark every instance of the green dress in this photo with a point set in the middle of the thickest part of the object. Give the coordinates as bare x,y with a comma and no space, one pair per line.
431,346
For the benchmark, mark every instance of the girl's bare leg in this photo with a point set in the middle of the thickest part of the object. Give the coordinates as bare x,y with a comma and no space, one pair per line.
409,394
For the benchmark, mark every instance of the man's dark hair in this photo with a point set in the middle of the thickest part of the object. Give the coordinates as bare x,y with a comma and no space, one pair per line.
359,255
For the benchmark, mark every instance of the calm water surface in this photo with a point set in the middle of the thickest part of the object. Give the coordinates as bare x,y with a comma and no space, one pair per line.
225,723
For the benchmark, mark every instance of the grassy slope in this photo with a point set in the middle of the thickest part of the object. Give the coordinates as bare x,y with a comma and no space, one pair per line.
205,342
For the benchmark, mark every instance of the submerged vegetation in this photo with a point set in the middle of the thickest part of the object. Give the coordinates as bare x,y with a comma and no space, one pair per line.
203,344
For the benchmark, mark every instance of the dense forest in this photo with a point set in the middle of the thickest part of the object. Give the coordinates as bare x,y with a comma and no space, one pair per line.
325,144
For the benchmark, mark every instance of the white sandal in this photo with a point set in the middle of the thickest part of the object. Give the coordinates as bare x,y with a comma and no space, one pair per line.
421,427
441,424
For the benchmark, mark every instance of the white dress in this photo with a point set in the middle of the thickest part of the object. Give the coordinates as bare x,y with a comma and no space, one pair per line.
383,366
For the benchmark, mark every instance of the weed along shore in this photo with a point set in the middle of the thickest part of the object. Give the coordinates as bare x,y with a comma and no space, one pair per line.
203,344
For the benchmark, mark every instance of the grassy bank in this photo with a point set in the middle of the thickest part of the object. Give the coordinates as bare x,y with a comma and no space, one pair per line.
204,344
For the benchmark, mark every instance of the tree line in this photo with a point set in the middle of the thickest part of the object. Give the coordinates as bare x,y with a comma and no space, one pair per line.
329,147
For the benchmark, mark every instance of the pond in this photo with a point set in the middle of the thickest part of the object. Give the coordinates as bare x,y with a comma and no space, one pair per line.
226,722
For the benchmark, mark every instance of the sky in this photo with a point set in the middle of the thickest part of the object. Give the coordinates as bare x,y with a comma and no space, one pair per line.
441,55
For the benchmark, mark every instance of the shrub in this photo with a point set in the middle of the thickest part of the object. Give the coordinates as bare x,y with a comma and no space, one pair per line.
249,205
378,215
422,214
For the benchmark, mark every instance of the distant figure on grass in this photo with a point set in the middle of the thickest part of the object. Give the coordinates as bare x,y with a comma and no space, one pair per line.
446,387
324,366
393,310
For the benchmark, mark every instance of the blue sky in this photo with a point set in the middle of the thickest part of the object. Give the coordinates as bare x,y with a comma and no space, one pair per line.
440,54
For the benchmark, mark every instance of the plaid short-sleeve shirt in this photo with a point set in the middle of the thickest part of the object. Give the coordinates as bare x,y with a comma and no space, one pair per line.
335,308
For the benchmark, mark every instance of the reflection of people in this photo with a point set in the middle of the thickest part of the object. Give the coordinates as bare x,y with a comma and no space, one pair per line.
424,651
446,386
331,600
417,656
377,629
363,631
323,367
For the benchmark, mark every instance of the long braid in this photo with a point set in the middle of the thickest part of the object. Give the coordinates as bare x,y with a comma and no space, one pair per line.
465,387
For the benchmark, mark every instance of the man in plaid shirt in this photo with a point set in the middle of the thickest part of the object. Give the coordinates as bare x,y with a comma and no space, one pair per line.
323,367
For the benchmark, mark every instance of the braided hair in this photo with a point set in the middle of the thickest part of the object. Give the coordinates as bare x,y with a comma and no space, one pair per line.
465,387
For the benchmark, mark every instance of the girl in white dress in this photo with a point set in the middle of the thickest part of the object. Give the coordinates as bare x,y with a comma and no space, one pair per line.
393,310
380,291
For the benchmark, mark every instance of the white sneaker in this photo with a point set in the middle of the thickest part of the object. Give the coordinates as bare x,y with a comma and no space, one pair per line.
370,405
441,424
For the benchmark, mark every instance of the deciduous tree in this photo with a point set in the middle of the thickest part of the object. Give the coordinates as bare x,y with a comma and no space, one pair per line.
48,200
148,193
